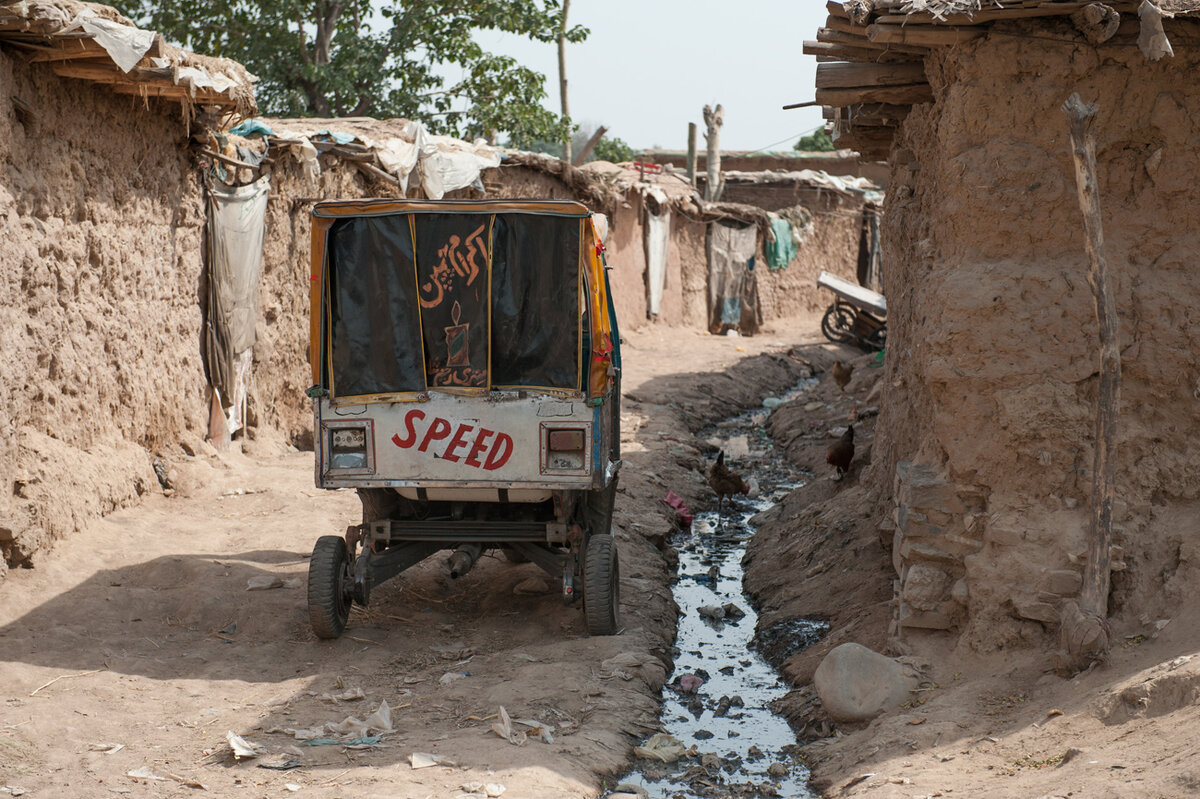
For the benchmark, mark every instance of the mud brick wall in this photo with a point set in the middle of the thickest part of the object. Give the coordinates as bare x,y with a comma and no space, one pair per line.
100,325
985,440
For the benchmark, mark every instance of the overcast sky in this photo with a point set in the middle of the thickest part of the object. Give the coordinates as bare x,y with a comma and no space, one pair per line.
649,67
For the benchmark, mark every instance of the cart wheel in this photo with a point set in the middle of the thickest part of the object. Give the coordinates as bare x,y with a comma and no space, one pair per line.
329,584
878,339
601,578
838,324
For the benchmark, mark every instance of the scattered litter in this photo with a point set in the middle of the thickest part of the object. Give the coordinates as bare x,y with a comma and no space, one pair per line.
365,742
524,657
425,760
662,747
241,492
505,730
291,786
144,773
348,695
537,729
188,781
280,764
683,515
490,789
106,748
240,746
13,790
264,582
737,447
452,676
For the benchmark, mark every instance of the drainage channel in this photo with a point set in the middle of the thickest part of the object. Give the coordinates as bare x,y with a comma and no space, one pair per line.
717,701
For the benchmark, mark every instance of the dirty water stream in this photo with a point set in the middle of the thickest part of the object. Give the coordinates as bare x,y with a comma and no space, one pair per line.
741,748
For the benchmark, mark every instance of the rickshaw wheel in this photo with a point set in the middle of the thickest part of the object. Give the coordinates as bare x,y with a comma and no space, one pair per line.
329,584
601,579
838,323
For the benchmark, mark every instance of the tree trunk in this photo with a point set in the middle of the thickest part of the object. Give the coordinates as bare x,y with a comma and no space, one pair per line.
562,77
1086,634
713,120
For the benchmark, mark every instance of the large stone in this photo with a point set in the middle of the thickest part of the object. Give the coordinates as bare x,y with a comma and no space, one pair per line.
1035,610
1064,582
856,684
925,586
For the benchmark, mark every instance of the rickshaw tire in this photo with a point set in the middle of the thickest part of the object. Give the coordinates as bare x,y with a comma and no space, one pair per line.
601,580
328,587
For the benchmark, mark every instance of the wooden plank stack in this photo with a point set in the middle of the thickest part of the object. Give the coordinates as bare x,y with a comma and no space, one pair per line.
871,55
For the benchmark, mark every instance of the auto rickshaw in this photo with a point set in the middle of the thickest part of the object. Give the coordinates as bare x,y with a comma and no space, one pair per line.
466,369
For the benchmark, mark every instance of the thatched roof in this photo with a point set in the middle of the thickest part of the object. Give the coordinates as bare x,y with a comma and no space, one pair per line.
873,51
92,42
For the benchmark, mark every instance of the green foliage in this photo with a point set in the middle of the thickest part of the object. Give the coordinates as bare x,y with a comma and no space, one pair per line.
610,148
817,141
381,58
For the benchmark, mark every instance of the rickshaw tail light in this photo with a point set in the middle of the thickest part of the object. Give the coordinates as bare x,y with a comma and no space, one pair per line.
566,440
348,448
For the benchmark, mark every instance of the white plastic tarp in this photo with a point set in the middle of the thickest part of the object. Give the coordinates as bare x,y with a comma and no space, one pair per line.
658,230
124,44
236,223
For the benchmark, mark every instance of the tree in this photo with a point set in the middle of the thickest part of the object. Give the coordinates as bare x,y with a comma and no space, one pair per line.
610,148
815,142
381,58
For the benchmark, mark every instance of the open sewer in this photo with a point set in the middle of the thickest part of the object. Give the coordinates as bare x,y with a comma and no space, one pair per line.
737,746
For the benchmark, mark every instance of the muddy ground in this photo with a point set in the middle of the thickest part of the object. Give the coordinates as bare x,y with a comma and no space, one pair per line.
135,645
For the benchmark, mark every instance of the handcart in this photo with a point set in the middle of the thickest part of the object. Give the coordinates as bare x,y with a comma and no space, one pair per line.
858,315
466,370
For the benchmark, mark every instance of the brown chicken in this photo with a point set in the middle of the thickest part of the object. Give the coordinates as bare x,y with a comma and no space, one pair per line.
724,481
842,373
842,452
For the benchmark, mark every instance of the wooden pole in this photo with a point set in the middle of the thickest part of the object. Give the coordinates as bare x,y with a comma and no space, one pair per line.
591,145
713,120
691,162
1086,635
562,77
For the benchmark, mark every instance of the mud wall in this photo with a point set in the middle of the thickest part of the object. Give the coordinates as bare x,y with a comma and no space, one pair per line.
831,245
101,219
985,441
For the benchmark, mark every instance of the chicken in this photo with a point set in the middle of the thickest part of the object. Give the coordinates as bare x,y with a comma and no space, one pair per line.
842,373
724,481
842,452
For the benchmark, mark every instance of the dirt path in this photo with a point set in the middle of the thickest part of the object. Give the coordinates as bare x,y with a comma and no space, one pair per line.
136,644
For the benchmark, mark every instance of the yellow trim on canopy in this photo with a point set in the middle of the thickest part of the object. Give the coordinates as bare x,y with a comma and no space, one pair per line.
332,208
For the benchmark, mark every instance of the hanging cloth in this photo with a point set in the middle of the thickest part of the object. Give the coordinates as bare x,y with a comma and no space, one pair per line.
236,224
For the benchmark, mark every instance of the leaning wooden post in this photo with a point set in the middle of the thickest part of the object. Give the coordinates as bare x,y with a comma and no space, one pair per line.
1085,630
